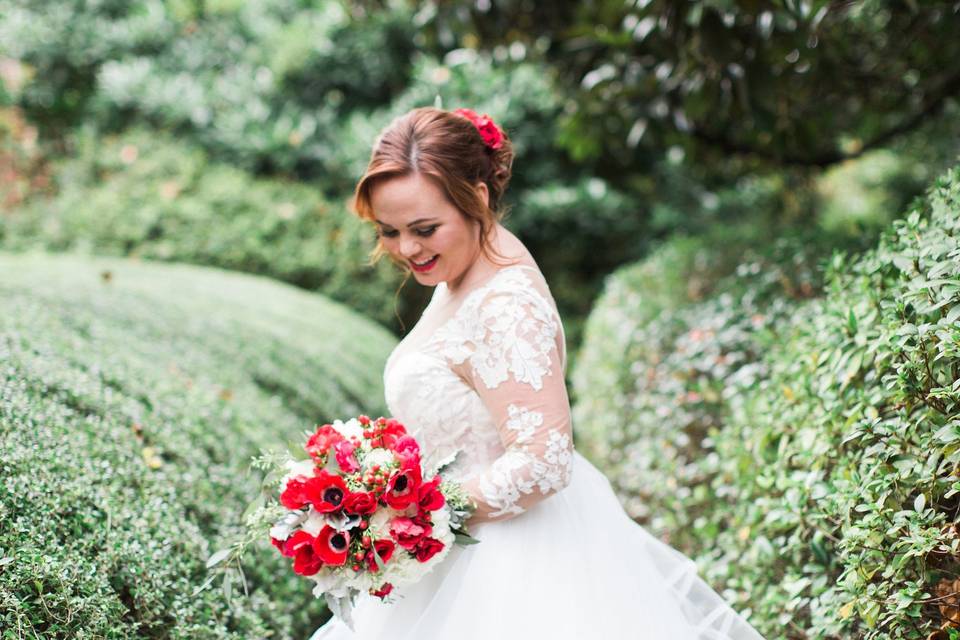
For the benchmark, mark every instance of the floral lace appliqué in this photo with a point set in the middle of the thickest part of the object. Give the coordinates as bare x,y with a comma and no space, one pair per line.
510,331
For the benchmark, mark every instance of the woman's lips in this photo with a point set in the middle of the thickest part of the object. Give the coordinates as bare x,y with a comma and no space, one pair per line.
426,267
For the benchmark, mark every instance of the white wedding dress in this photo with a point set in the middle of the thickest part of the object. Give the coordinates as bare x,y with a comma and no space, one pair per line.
558,557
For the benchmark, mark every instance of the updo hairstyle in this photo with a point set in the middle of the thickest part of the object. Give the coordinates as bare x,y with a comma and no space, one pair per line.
448,149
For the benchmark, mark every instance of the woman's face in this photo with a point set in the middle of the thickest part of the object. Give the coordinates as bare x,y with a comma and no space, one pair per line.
419,226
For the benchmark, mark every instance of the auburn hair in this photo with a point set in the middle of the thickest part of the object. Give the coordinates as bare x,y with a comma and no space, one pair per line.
448,149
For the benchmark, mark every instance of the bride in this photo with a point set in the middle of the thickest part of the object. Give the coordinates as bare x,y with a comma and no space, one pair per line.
481,376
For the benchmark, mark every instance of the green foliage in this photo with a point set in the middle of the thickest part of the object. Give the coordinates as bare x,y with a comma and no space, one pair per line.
262,84
132,397
807,452
790,83
147,196
681,271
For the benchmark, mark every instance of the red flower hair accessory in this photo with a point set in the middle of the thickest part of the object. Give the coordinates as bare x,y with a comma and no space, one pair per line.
490,132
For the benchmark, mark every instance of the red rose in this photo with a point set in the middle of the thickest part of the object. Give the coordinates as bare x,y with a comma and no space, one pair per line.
430,497
403,486
294,495
325,491
360,503
382,591
332,545
408,532
345,458
320,442
384,549
427,548
279,544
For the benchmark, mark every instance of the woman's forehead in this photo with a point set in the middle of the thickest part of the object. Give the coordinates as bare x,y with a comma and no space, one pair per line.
406,199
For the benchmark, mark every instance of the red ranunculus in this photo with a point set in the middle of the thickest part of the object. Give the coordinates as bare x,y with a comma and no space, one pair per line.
326,491
383,591
345,458
403,486
384,549
409,532
300,547
320,442
360,503
294,495
430,497
489,131
427,548
406,447
332,545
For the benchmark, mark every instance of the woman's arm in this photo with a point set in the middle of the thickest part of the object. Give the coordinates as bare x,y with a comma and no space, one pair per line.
514,363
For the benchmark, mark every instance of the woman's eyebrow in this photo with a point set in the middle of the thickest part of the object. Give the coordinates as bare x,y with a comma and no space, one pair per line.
417,221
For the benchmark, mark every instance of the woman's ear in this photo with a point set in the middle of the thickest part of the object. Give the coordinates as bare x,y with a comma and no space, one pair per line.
483,192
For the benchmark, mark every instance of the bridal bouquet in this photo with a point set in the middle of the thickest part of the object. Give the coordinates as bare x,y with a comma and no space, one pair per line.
360,513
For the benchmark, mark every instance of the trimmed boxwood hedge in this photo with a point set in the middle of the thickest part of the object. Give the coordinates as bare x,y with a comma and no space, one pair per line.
132,397
806,453
144,194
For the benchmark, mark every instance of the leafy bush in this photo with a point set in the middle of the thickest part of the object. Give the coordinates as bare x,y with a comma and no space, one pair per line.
131,399
147,196
260,83
841,466
806,453
679,272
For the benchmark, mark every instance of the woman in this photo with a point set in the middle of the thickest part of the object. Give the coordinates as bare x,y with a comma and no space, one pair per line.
481,376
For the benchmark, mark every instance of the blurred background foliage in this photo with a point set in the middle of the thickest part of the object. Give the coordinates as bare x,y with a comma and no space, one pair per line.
712,188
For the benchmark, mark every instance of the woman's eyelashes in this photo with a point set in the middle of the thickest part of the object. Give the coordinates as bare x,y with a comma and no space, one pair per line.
423,233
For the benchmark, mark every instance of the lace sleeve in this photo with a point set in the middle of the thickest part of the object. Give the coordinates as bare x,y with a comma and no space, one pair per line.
512,358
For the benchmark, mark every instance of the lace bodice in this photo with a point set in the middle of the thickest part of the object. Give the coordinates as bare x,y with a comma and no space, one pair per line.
487,385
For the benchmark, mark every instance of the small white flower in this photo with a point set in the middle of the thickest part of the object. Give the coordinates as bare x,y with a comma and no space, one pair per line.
349,429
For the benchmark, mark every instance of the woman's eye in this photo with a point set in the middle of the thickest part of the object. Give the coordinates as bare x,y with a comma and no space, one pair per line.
392,233
426,232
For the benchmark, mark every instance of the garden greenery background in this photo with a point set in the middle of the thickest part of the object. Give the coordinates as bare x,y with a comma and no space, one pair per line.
748,213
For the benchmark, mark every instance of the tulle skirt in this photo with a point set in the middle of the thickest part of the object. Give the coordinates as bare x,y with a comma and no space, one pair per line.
574,566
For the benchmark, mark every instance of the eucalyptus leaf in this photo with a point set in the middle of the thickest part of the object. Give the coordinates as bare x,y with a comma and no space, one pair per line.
217,558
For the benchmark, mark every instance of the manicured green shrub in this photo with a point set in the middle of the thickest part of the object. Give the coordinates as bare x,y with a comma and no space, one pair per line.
806,453
147,196
688,357
132,397
680,272
840,467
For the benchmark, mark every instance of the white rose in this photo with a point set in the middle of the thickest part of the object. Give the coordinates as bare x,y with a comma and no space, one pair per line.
379,522
381,457
349,429
298,468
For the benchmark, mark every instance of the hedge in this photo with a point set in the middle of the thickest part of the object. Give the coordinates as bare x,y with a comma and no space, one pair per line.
132,397
804,452
146,195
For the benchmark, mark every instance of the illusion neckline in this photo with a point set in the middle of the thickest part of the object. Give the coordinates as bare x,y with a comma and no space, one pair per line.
486,283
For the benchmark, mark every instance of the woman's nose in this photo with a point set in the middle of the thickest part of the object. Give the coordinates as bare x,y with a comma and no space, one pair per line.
409,247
